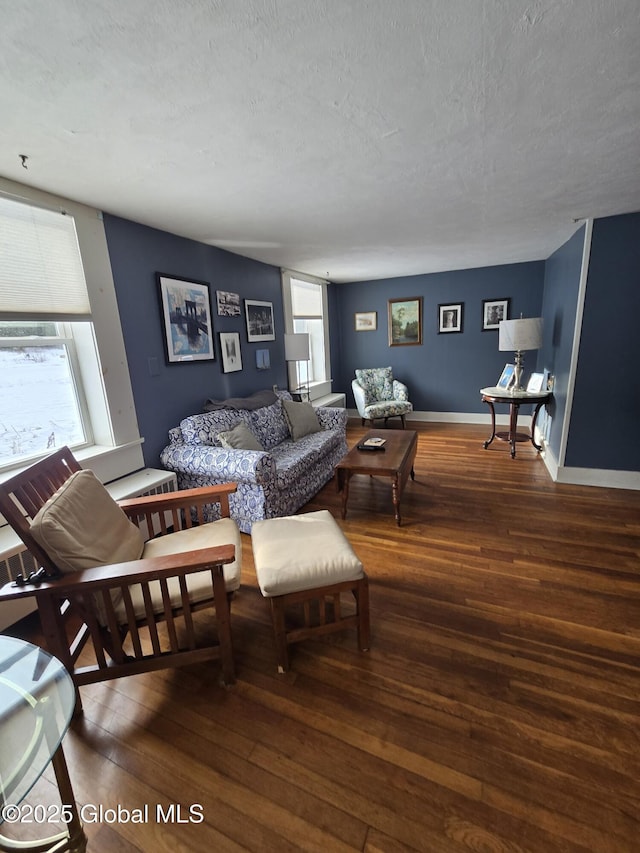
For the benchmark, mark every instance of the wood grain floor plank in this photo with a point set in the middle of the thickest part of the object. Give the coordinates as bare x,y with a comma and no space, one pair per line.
497,711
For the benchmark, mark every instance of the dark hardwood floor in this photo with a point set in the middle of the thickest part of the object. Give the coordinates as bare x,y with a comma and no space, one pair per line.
497,710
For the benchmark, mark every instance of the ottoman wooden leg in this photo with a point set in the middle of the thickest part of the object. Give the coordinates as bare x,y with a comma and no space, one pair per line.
280,633
361,594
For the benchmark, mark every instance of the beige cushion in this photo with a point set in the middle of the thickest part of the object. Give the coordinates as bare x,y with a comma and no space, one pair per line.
239,438
301,552
81,526
222,532
301,418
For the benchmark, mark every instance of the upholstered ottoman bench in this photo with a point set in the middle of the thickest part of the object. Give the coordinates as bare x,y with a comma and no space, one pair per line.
305,560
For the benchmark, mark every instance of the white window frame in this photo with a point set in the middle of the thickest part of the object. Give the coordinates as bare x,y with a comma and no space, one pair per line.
116,449
320,388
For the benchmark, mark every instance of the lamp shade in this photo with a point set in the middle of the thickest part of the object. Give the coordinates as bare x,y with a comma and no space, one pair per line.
520,334
296,347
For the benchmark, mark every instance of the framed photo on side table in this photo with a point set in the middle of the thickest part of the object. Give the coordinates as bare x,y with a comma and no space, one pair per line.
507,378
493,311
186,317
450,317
230,351
534,386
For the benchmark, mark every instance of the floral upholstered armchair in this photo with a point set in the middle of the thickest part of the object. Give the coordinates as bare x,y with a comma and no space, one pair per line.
379,395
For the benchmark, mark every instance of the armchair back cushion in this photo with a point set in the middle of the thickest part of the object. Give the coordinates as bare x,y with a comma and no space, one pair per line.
377,383
81,526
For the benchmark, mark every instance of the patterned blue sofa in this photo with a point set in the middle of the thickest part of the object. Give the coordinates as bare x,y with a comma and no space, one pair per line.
273,482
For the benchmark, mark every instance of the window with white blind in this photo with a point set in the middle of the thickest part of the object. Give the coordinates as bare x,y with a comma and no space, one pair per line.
53,389
305,309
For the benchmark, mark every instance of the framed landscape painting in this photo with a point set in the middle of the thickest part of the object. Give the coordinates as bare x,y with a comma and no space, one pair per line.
366,321
405,322
186,317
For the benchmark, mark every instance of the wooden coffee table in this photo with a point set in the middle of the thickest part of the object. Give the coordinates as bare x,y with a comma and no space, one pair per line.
395,461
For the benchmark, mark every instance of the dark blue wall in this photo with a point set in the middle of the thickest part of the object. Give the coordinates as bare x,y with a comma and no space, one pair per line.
559,306
163,393
605,415
446,372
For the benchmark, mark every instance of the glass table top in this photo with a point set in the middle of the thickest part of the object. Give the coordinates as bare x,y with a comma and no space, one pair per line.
37,699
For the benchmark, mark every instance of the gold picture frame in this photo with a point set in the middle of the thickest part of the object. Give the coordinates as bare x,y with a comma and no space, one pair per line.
405,322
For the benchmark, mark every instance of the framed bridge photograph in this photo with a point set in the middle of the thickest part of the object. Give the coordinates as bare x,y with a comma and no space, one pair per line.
185,306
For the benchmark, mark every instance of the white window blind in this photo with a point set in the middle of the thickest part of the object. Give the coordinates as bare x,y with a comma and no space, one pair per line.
41,269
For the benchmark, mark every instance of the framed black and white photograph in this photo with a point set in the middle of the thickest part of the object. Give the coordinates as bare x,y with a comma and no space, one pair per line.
450,317
260,325
366,321
228,303
230,352
493,311
405,322
185,306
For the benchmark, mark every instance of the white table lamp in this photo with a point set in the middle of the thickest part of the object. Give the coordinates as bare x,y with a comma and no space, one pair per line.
296,348
518,336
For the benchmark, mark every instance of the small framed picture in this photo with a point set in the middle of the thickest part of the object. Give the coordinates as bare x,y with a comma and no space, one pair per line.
450,317
405,322
228,303
186,319
493,311
366,321
263,359
260,325
534,386
230,351
507,377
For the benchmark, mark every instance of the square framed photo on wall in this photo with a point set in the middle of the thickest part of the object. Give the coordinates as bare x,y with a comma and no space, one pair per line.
450,317
260,326
493,311
185,306
405,322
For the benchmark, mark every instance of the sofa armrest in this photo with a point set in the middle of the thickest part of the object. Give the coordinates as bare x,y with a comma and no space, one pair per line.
219,464
330,418
360,397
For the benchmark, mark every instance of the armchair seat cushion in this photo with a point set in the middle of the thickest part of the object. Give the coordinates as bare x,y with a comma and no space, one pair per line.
199,584
387,410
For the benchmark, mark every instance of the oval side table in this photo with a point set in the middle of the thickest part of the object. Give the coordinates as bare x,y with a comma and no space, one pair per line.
514,400
37,699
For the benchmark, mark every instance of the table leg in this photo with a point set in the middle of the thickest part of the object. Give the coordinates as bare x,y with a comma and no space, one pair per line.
344,476
534,420
395,494
513,427
493,424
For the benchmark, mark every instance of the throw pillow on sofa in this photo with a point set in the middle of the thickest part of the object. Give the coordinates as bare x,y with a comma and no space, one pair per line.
301,417
239,438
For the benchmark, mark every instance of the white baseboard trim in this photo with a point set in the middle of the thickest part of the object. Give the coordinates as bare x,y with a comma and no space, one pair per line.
600,477
450,417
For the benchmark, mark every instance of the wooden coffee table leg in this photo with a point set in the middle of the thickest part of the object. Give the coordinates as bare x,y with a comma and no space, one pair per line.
395,493
345,491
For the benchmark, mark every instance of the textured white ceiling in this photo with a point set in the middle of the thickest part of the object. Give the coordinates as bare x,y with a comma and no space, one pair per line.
351,139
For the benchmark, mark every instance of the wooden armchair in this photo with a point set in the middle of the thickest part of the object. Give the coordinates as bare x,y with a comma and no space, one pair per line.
103,579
